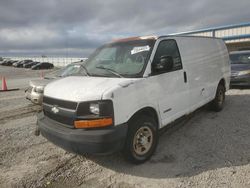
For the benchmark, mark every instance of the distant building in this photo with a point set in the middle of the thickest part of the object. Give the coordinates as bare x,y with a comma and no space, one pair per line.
237,37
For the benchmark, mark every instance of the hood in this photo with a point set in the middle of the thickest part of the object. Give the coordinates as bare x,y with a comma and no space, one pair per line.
239,67
39,82
79,88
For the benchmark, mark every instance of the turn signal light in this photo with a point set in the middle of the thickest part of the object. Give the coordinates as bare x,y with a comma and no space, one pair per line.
93,123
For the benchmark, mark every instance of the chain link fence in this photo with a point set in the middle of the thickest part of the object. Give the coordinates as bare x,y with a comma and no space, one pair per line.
57,61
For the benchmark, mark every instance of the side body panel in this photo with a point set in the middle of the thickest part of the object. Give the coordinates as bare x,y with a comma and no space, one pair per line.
169,101
206,62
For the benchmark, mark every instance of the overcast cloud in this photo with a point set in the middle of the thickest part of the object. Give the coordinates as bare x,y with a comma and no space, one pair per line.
76,27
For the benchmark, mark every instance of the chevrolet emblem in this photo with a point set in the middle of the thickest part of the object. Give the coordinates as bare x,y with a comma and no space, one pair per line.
55,109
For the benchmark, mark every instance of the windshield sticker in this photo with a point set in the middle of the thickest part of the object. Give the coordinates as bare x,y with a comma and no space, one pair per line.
140,49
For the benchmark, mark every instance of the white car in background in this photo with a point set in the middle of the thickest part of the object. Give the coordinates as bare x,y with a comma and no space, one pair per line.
34,92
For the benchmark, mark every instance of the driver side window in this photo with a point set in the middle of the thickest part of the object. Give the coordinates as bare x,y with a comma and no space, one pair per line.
168,48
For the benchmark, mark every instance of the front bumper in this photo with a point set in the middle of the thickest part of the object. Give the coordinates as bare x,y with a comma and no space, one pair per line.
240,80
82,141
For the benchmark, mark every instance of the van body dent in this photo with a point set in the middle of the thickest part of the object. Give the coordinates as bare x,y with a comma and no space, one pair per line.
133,87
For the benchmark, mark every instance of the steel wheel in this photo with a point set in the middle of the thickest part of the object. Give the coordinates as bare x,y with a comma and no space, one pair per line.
143,140
217,103
220,97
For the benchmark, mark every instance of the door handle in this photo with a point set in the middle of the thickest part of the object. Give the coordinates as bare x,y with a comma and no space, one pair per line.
185,76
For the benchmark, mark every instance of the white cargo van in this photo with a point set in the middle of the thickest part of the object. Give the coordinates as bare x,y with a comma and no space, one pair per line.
132,88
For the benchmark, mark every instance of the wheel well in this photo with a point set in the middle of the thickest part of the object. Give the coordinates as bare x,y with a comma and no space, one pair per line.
222,81
148,111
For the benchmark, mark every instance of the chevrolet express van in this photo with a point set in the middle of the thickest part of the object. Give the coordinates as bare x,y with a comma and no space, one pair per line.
131,89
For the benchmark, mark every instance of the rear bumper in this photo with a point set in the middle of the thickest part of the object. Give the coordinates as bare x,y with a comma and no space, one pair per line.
81,141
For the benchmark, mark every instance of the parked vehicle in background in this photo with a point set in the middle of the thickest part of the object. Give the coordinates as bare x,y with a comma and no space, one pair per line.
1,60
43,65
240,68
4,61
20,65
134,87
35,91
17,63
10,62
29,65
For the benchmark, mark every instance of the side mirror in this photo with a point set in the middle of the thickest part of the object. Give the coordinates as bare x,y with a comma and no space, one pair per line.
165,64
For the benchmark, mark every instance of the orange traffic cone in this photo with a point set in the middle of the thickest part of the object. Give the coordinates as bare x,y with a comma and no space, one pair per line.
4,85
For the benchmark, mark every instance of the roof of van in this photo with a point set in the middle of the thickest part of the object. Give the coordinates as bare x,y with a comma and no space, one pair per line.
134,38
156,37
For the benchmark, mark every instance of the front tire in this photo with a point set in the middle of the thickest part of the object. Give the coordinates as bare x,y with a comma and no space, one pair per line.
141,140
218,102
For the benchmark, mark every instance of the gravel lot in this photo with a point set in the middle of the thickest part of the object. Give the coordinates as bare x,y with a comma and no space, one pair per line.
207,149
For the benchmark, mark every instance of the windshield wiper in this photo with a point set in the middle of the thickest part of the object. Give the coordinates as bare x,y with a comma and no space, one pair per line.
85,69
110,70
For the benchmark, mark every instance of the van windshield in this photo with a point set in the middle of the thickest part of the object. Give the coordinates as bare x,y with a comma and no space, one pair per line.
120,59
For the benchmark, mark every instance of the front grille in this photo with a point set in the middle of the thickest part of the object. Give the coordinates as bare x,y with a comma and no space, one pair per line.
68,121
61,103
66,110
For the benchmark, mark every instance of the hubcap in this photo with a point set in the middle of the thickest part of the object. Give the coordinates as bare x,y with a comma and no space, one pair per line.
220,97
143,140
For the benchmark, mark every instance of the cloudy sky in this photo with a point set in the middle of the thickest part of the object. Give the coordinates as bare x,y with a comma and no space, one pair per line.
76,27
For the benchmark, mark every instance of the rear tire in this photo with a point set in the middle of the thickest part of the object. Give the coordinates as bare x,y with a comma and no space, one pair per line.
218,102
142,139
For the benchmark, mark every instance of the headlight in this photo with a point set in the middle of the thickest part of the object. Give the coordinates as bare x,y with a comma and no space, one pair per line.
101,108
244,72
39,89
94,108
94,114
